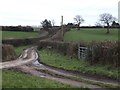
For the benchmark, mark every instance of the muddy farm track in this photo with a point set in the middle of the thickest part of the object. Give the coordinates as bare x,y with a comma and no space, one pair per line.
28,63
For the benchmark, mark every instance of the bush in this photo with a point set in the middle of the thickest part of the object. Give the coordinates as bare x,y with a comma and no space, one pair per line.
103,53
67,48
8,52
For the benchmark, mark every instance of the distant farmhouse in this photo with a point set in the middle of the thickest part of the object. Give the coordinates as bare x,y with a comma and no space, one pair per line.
114,24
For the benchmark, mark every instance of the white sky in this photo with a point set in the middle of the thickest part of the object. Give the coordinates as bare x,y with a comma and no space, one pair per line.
32,12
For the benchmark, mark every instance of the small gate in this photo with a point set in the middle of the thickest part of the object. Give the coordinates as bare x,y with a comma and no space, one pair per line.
82,52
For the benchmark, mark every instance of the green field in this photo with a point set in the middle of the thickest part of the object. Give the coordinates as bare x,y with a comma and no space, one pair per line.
14,79
91,34
13,34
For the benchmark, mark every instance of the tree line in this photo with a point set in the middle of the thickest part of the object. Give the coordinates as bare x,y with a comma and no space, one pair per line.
18,28
105,20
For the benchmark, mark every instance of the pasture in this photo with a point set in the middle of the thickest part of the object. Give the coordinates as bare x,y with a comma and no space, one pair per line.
91,34
16,35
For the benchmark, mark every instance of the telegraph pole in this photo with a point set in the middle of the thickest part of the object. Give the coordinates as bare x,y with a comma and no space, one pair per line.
119,12
62,25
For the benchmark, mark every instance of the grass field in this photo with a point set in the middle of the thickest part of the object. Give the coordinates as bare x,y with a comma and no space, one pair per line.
13,34
89,34
14,79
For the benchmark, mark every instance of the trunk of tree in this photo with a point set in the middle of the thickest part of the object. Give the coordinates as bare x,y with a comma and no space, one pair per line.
78,26
108,28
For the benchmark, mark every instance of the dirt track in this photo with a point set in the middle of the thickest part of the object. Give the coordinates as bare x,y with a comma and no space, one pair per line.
27,62
27,56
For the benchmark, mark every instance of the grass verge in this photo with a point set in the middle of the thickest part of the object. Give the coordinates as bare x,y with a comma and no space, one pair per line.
14,79
56,59
81,79
18,50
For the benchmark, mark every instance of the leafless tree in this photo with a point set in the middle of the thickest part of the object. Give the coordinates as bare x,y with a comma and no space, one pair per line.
79,20
107,19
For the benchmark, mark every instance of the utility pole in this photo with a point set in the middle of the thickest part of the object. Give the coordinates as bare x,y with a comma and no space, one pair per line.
119,12
62,25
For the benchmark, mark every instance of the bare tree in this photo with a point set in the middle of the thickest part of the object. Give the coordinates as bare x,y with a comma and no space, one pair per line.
107,19
79,20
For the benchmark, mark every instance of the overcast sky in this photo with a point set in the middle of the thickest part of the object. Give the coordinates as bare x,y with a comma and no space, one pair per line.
32,12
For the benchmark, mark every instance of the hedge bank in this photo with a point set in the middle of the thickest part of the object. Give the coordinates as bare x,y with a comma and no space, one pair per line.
105,53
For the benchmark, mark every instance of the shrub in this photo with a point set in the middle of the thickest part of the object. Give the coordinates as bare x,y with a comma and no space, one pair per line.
67,48
104,53
8,52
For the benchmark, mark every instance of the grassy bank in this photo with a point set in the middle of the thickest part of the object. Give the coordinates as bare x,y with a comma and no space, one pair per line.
90,34
19,50
14,79
59,60
13,34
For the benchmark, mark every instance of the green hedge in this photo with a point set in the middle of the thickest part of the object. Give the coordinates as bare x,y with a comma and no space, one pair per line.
97,53
104,53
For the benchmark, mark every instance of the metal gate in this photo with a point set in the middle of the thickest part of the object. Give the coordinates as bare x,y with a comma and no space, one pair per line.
82,52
